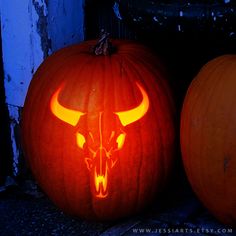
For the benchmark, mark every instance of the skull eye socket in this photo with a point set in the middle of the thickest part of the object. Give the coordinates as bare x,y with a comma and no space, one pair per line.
120,140
80,140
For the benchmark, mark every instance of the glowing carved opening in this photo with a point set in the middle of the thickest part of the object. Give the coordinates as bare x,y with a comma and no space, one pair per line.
120,140
130,116
101,184
67,115
80,140
72,117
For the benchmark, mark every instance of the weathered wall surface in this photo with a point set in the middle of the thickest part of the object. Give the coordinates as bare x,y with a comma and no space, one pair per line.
65,22
32,30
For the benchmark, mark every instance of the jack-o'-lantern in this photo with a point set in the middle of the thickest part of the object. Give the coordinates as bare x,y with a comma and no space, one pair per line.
98,131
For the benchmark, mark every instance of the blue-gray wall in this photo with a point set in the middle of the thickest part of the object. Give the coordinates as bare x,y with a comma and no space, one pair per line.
32,30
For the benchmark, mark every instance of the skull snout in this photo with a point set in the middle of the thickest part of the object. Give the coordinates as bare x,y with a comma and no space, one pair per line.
101,173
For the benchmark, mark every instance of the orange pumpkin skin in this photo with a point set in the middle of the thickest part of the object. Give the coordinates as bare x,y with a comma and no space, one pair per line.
208,137
59,153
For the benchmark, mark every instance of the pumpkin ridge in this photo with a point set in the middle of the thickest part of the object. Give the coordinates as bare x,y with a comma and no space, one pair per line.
207,107
44,114
159,129
162,154
127,68
131,67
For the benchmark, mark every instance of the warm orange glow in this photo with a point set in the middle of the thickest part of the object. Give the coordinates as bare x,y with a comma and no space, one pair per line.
95,161
67,115
120,140
101,184
80,140
130,116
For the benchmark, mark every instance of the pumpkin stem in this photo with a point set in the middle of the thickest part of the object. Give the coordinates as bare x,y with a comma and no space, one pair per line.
103,46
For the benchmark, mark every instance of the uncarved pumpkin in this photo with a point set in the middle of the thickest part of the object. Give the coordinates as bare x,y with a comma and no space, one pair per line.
98,131
208,137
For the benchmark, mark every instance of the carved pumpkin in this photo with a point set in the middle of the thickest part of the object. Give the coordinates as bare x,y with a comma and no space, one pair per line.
208,137
98,131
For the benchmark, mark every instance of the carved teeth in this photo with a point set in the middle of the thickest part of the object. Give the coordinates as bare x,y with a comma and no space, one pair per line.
101,184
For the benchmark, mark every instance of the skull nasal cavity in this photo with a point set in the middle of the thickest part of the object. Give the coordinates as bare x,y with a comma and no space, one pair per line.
101,161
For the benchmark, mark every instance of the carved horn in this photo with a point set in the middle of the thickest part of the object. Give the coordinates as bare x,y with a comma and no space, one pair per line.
67,115
130,116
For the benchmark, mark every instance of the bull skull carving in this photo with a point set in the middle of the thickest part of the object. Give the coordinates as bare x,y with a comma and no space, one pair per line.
99,155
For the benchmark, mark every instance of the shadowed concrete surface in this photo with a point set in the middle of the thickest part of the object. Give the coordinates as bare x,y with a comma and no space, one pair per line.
25,210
